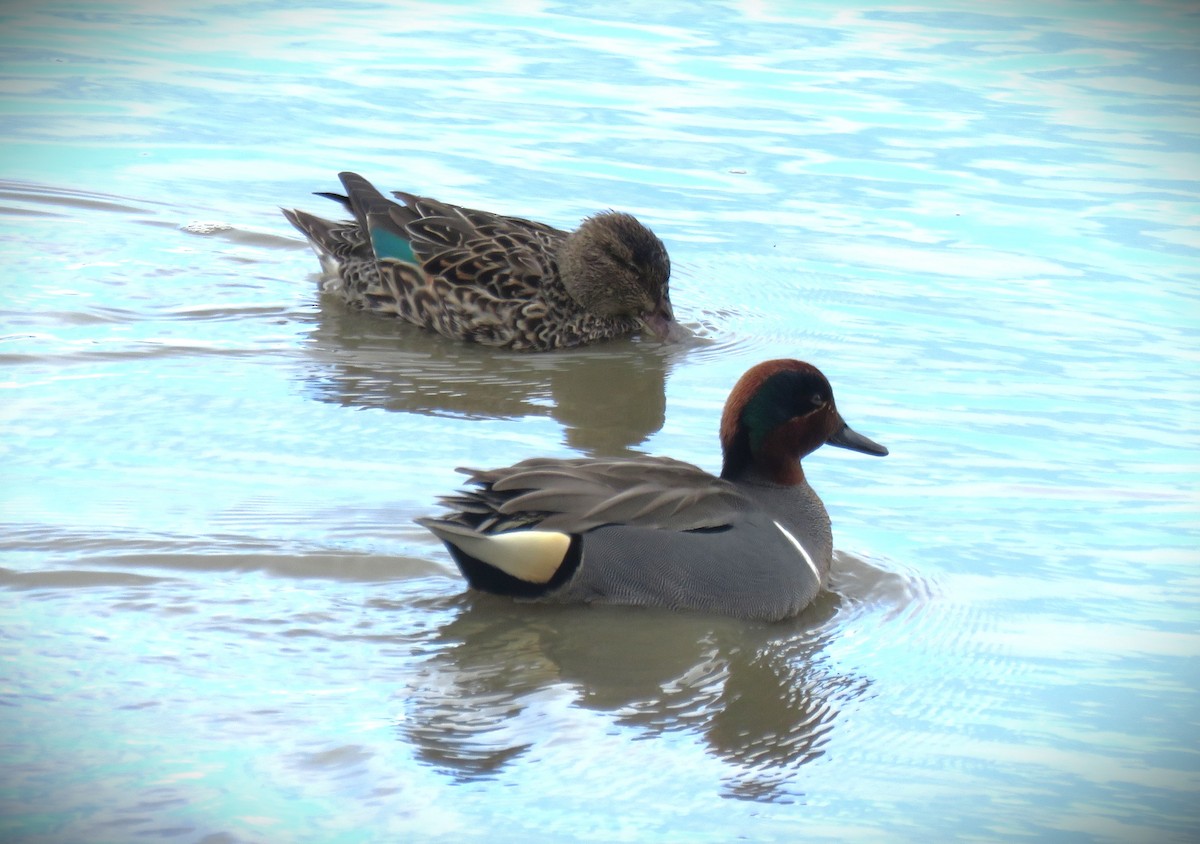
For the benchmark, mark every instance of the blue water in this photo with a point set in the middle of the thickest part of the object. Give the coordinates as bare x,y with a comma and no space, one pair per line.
218,621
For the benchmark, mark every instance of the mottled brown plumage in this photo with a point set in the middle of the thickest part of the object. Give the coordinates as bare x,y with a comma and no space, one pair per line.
486,278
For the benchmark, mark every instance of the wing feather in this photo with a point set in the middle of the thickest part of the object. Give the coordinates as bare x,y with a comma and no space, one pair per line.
575,496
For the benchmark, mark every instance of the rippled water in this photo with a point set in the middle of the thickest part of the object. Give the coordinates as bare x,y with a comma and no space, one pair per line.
219,622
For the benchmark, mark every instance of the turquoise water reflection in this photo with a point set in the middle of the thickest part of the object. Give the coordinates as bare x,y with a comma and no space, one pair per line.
219,622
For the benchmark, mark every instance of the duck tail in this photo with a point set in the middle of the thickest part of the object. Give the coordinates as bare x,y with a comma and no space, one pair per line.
319,231
521,562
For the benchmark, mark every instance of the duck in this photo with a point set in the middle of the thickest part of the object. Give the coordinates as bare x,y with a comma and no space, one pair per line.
754,542
486,278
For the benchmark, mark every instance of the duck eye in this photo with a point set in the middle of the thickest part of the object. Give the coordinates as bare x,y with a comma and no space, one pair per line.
817,400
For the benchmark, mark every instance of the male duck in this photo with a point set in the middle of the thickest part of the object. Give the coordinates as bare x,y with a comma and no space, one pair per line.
754,543
485,278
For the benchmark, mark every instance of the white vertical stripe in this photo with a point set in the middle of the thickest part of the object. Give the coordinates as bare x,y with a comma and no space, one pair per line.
799,548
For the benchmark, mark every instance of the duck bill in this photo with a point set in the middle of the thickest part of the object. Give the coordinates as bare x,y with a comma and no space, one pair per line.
661,323
847,437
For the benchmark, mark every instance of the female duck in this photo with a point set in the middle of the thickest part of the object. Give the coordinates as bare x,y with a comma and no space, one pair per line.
754,543
484,278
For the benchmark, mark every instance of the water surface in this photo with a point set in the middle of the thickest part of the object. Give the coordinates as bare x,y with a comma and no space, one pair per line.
219,621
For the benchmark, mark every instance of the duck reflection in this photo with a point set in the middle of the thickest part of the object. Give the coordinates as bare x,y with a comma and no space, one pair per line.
759,696
608,398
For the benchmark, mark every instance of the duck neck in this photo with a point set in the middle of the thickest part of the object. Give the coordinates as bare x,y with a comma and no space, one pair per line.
776,461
